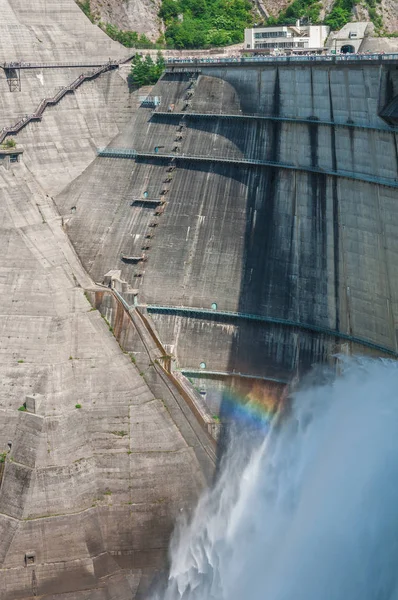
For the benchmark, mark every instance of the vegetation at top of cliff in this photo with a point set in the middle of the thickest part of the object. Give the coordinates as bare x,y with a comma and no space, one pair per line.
297,10
340,15
86,8
130,39
144,71
205,23
374,16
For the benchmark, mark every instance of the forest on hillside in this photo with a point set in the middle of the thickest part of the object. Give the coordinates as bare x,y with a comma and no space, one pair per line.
189,24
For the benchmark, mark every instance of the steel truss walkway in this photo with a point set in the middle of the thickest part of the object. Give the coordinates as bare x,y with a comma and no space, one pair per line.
207,313
195,115
37,115
130,153
23,65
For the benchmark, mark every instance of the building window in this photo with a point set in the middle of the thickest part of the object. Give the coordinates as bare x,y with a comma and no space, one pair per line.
270,34
276,45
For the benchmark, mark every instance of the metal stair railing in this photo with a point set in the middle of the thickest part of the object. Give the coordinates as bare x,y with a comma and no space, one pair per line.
37,115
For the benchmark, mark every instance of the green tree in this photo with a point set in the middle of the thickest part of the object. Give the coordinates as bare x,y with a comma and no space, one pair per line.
144,71
168,10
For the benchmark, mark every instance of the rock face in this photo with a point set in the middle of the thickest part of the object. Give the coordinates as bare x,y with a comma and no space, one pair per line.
390,15
141,15
133,15
102,461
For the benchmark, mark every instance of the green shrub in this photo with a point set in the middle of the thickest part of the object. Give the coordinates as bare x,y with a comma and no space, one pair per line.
297,10
205,23
130,39
78,405
340,14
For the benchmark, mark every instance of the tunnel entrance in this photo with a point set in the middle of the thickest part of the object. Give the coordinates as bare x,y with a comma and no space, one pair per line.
347,49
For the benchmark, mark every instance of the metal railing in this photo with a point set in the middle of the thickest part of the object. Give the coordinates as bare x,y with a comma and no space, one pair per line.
37,115
130,153
210,313
209,373
254,116
320,58
26,65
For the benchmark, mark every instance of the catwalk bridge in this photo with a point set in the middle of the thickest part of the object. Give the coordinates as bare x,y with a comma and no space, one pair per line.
61,65
130,153
206,313
247,117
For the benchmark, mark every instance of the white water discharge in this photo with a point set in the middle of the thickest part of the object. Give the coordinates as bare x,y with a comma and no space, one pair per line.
311,511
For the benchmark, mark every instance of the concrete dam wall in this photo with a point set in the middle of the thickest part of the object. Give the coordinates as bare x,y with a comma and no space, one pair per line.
254,269
259,268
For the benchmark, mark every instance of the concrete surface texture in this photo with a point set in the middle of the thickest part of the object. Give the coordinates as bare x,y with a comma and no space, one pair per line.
303,247
89,495
88,490
63,144
52,31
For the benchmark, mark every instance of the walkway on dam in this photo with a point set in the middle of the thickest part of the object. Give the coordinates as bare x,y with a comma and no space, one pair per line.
349,59
207,313
37,115
246,116
61,65
22,65
210,373
130,153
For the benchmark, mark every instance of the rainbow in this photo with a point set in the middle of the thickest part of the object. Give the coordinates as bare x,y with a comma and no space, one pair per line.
256,409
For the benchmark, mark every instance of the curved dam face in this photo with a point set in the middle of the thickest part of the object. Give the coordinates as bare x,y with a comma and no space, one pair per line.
276,245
